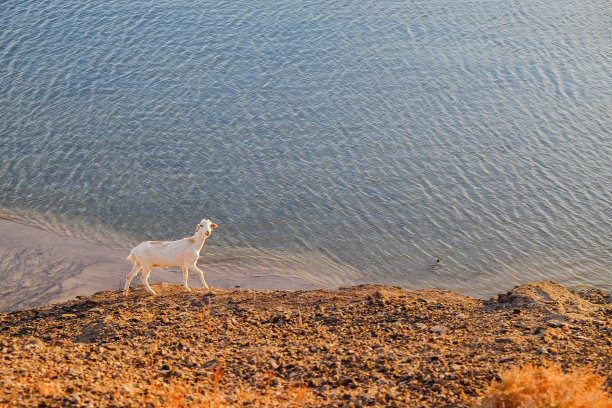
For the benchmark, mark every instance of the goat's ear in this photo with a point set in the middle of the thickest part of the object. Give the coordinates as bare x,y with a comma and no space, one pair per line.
213,225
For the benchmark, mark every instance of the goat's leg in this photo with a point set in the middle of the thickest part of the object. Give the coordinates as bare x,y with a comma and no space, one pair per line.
130,276
195,268
144,279
185,277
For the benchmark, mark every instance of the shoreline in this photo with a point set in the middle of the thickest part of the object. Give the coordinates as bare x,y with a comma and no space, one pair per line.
39,267
366,345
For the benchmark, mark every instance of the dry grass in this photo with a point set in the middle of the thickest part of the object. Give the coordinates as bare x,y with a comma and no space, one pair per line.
547,386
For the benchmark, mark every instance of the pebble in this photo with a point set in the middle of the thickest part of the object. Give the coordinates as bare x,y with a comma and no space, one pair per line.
540,330
441,330
556,324
126,389
273,363
581,337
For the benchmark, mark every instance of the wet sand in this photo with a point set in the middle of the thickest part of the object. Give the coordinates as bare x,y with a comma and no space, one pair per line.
38,268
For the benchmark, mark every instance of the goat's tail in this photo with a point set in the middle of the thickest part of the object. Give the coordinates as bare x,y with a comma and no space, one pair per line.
131,257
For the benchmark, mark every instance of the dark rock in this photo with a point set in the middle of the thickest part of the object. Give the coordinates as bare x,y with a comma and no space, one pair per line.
596,296
556,324
540,330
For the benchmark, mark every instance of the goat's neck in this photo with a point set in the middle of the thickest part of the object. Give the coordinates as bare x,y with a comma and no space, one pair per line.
199,239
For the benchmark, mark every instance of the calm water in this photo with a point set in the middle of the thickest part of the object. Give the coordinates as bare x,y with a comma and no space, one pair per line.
347,141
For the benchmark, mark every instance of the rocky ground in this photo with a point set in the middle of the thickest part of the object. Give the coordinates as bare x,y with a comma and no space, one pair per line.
359,346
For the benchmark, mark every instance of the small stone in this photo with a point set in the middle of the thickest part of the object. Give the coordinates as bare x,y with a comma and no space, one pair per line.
542,350
273,363
126,389
96,310
33,343
450,376
440,330
555,324
198,303
581,337
379,298
315,382
540,330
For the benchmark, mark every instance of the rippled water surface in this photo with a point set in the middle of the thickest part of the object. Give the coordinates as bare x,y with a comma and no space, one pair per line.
347,141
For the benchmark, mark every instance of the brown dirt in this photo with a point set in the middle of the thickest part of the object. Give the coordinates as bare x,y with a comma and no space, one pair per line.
359,346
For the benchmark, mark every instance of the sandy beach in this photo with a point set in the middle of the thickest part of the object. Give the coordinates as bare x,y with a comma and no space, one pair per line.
39,268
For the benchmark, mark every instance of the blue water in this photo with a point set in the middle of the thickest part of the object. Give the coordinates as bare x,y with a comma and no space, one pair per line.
343,141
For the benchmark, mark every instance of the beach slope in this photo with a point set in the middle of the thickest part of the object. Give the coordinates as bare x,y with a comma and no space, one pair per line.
357,346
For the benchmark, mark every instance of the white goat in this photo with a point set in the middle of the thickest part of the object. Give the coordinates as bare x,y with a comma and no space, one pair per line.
183,253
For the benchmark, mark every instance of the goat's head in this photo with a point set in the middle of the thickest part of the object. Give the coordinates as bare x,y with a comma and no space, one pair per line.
207,226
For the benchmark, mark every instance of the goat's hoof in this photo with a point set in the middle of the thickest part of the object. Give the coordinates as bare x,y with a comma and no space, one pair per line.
187,289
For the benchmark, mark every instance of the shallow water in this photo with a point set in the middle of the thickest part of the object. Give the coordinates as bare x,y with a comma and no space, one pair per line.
346,142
